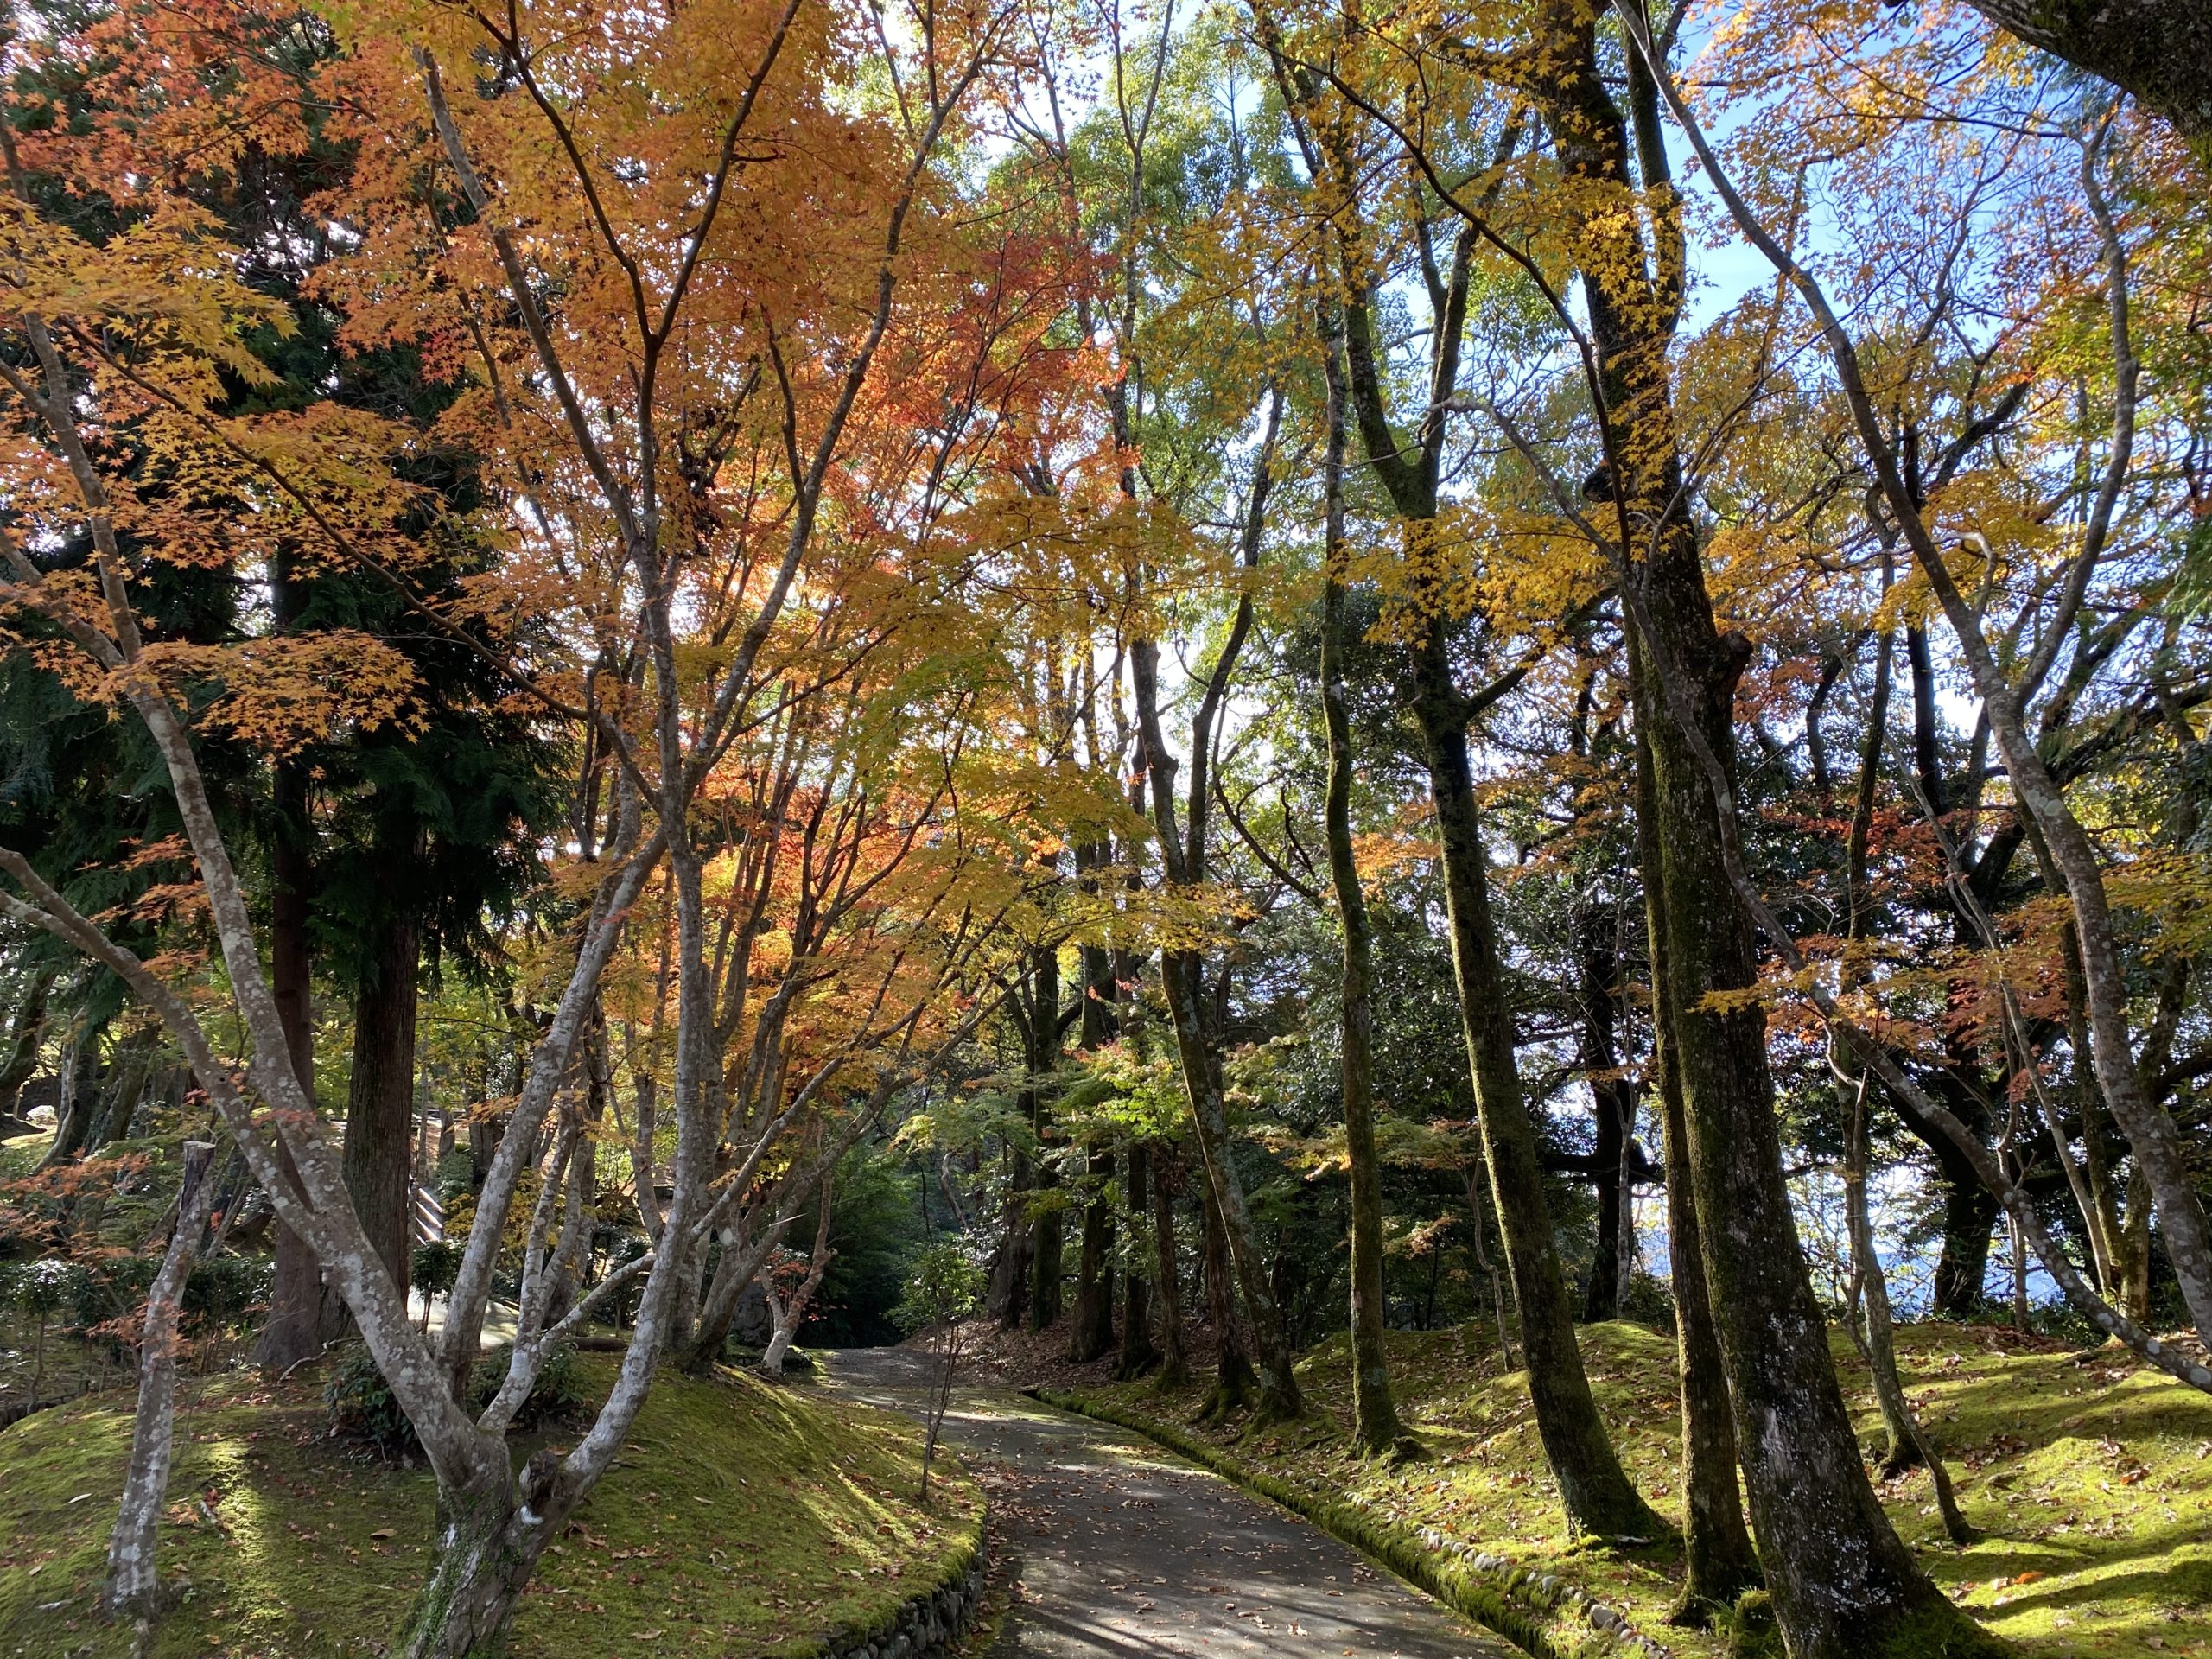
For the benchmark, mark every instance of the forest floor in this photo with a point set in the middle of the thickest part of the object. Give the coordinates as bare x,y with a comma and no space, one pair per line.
740,1519
1106,1548
2088,1478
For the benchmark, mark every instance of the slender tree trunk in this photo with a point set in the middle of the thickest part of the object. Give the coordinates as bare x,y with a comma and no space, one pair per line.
1908,1441
25,1032
789,1313
1594,1491
1041,1057
1008,1301
1199,1050
132,1578
1090,1332
380,1101
1718,1559
1175,1361
1375,1424
1139,1352
1601,1295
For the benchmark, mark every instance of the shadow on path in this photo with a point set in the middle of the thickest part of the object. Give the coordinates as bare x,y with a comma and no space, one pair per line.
1118,1548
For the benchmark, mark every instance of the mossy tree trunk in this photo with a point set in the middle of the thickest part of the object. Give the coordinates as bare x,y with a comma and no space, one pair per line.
490,1537
1234,1382
1843,1583
1594,1491
1719,1562
293,1331
1375,1427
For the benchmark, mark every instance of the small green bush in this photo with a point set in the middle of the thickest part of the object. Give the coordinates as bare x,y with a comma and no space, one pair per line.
556,1394
363,1409
434,1266
222,1289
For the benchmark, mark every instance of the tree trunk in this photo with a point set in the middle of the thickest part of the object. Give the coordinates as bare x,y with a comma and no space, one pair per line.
1234,1382
1008,1301
1909,1442
293,1332
2159,50
132,1580
1375,1425
1041,1059
81,1097
380,1101
1594,1491
1090,1332
1139,1352
489,1539
1199,1050
1601,1292
1175,1361
1048,1272
19,1059
1844,1585
1718,1560
1970,1209
789,1313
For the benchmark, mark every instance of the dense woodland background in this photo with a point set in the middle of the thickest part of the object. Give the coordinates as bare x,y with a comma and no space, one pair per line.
1282,669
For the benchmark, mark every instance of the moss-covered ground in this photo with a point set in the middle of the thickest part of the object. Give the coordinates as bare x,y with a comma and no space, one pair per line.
741,1519
2089,1478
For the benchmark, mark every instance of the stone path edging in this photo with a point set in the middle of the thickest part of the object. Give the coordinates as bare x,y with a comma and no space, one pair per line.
926,1626
1515,1602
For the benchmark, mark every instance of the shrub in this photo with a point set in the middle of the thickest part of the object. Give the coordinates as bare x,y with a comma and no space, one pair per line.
557,1396
363,1408
222,1289
434,1266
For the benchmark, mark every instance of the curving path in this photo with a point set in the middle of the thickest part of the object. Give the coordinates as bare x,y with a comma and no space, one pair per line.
1117,1548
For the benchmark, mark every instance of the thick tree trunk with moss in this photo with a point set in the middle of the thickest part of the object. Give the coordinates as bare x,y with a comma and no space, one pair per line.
1844,1585
1594,1490
1718,1560
294,1330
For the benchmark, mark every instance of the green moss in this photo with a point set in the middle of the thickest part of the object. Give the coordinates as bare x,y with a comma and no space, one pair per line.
2088,1478
740,1517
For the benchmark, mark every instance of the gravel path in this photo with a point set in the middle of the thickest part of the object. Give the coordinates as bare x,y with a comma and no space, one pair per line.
1118,1548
